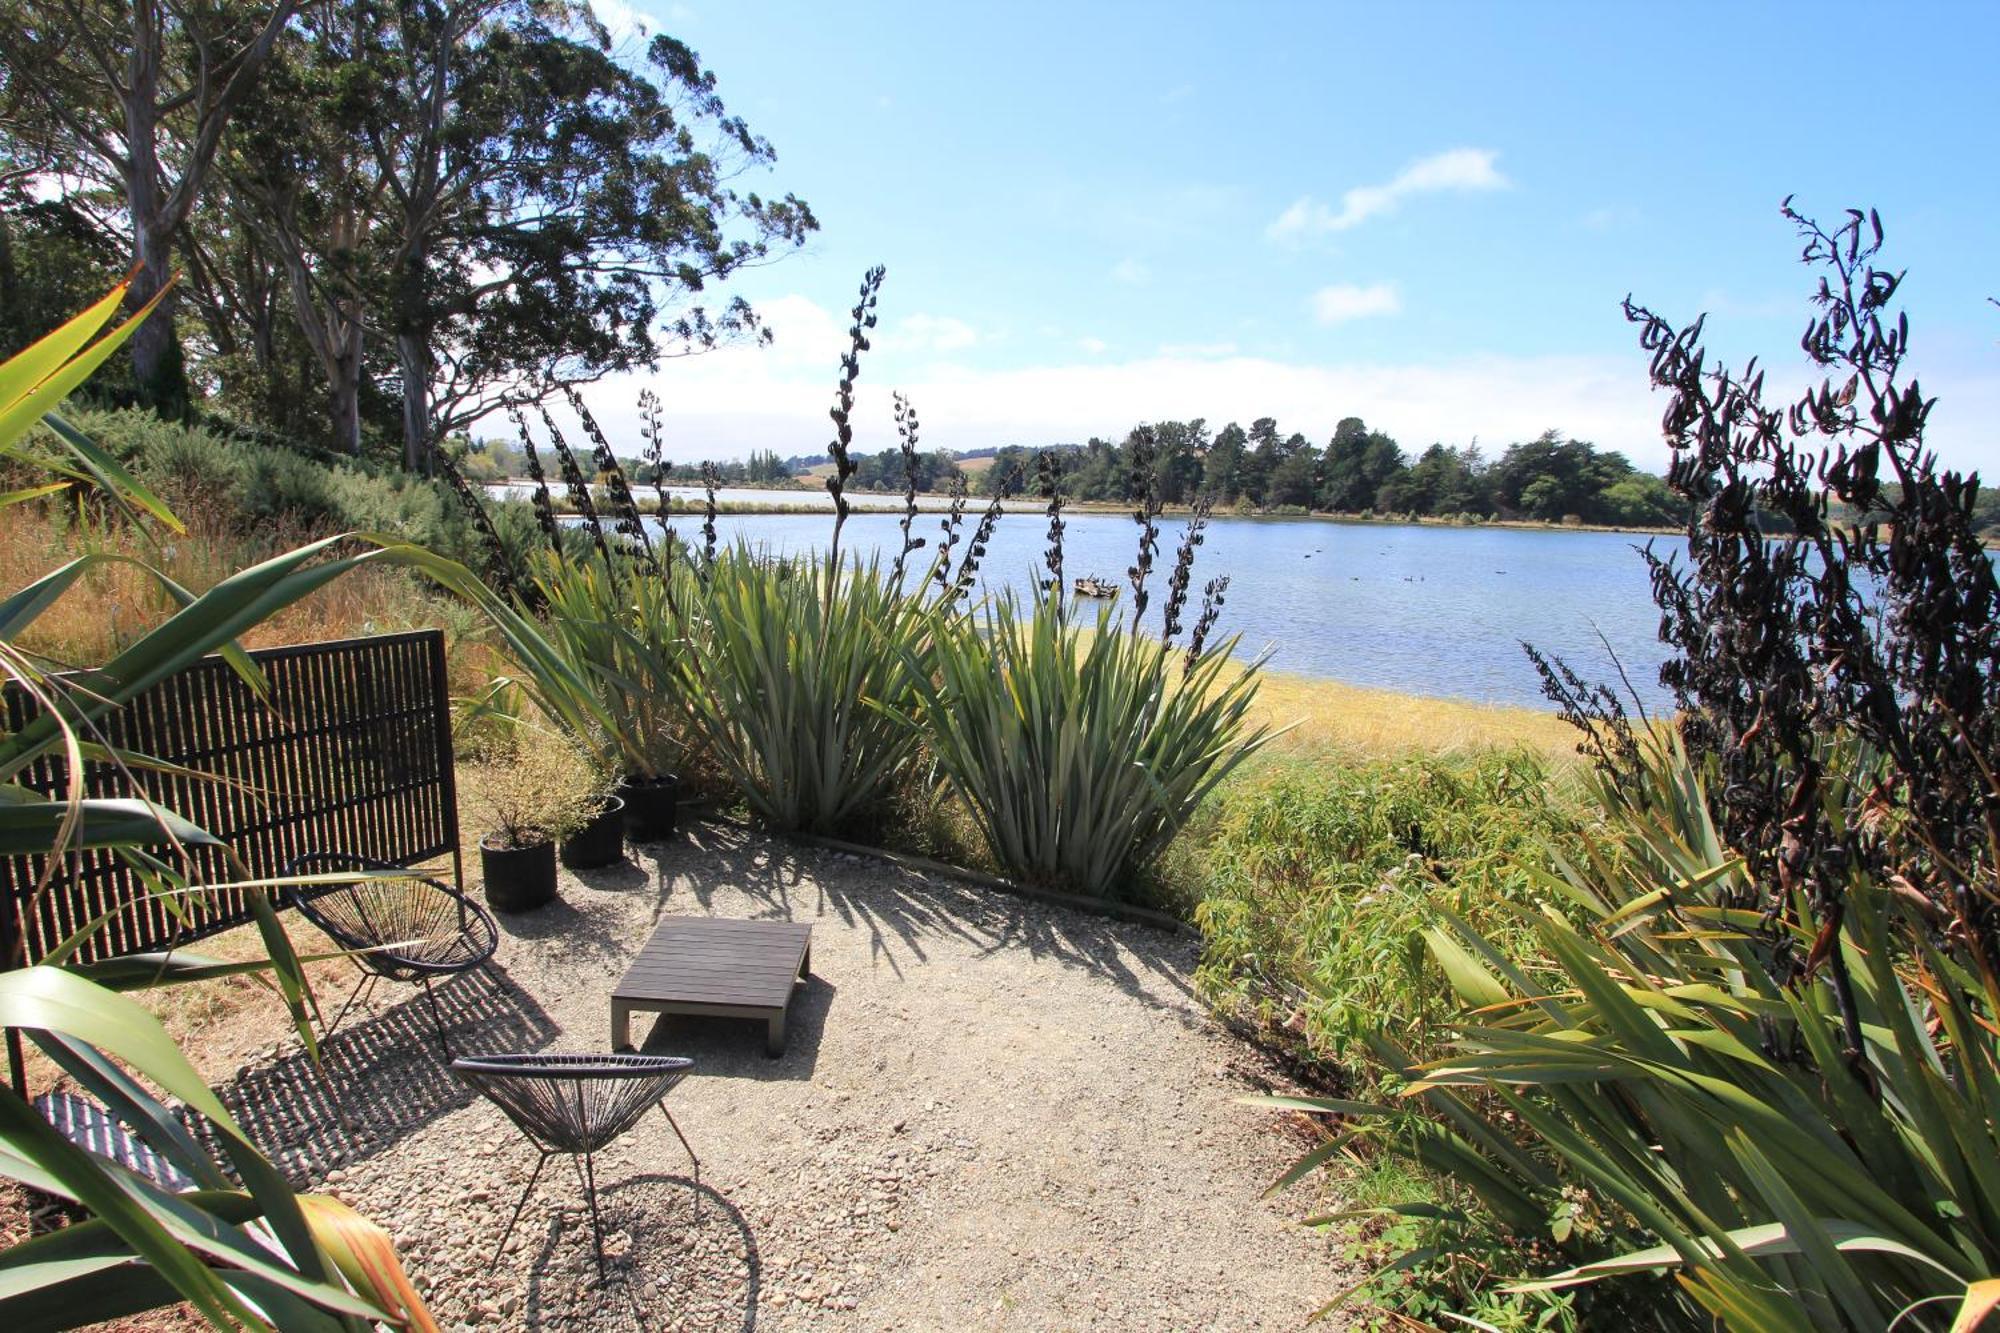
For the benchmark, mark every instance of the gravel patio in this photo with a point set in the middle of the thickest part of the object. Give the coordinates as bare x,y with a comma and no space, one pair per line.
992,1113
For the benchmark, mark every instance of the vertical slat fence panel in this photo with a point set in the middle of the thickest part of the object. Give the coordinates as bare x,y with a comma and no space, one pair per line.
350,751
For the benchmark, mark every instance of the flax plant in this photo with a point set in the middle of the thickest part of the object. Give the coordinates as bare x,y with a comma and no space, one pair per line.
1078,747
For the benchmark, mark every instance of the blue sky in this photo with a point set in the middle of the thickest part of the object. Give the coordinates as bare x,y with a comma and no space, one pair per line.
1424,215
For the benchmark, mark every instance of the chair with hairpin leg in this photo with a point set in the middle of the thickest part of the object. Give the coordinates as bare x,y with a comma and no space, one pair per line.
576,1104
431,930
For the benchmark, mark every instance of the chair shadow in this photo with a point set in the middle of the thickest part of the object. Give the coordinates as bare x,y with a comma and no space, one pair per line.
381,1076
734,1047
663,1263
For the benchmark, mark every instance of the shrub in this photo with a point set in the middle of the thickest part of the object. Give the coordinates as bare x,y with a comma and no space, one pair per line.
1692,1114
1080,753
799,672
619,625
1321,883
258,486
541,789
1766,1058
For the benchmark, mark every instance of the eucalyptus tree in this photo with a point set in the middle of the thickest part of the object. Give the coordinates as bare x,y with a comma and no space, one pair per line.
136,94
553,209
303,189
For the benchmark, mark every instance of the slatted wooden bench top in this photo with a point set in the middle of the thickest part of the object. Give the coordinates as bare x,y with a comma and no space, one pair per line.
716,967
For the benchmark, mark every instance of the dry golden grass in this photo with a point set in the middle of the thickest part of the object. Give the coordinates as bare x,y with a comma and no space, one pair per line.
1330,718
114,604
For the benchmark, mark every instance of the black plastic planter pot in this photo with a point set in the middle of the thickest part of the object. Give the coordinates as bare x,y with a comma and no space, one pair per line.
518,879
650,805
601,842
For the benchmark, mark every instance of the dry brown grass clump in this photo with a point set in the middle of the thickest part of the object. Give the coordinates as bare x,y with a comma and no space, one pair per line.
115,603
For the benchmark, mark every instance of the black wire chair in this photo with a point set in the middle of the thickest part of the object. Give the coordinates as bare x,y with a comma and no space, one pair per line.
576,1104
435,930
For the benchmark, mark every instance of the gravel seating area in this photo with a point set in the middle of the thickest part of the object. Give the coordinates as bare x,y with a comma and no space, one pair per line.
992,1114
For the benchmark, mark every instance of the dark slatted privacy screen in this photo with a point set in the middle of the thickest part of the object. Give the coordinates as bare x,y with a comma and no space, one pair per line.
351,753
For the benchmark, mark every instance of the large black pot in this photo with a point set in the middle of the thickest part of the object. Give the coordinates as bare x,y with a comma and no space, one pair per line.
518,879
650,807
601,842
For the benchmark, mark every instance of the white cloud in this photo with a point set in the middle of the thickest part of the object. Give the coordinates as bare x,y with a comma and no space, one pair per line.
727,403
1094,346
1344,301
1131,272
1460,169
928,333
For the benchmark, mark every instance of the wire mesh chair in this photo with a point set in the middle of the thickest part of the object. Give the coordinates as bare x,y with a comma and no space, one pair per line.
576,1104
436,931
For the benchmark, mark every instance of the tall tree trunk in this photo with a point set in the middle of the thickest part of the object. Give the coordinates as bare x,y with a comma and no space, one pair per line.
156,363
345,391
413,356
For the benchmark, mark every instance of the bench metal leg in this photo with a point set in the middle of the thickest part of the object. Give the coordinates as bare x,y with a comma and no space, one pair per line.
367,982
621,1025
774,1038
586,1173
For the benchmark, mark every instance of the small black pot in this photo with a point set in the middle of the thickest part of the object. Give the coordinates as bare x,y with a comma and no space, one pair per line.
650,807
518,879
601,842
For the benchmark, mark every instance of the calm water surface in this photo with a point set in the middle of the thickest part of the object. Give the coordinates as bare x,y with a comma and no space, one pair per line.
1425,610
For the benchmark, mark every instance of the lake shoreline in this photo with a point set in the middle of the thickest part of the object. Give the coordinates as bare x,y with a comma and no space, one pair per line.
885,502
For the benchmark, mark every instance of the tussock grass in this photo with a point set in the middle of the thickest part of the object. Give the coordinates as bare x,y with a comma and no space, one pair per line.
114,605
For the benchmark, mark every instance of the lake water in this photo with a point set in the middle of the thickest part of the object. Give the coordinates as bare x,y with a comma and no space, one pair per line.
802,497
1424,610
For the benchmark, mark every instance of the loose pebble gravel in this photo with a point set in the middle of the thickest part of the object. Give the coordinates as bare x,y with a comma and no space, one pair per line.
992,1114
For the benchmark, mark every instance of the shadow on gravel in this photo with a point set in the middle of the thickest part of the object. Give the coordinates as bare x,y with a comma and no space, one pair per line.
902,909
384,1067
734,1047
677,1255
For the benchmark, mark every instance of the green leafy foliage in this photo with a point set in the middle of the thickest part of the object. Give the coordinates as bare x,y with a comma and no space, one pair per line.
1715,1120
247,1257
620,626
1320,883
798,677
257,483
1079,751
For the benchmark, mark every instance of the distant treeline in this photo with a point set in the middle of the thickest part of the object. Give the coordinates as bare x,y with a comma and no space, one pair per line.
1363,471
1359,471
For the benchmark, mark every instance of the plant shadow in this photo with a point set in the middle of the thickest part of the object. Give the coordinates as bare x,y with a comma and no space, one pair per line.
903,911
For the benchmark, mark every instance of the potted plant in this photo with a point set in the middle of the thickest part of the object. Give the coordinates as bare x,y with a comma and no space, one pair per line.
620,636
651,802
533,798
600,840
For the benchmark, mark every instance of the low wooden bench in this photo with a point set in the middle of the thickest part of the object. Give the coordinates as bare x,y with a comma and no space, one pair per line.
718,968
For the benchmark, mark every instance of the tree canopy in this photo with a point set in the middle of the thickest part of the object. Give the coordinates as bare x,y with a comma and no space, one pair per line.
390,215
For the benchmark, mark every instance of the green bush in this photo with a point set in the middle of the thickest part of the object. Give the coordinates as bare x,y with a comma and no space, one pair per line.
796,682
620,627
253,485
1689,1114
1079,752
1321,881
